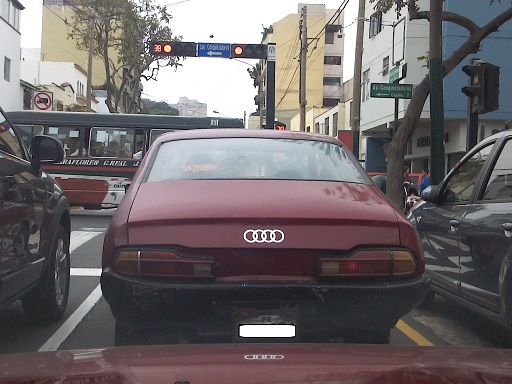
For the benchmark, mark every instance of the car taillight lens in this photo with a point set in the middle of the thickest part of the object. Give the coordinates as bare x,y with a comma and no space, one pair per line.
162,264
369,263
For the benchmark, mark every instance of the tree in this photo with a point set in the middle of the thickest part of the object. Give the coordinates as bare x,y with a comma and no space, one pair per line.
395,150
151,107
122,32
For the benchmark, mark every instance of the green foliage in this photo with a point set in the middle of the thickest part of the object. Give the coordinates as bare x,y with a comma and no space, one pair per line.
123,30
151,107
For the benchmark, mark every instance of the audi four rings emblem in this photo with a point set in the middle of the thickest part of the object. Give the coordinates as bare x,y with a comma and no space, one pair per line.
264,236
263,357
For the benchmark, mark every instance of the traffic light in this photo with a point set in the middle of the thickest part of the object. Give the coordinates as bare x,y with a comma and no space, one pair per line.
173,48
249,51
483,86
280,126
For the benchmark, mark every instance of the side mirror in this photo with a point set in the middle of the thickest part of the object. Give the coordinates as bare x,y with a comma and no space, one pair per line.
430,193
46,150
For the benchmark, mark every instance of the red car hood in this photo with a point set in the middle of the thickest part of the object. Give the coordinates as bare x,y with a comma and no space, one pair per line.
261,363
216,213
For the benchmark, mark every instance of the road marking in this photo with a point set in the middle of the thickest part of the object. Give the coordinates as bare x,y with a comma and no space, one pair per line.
78,238
54,342
412,334
89,272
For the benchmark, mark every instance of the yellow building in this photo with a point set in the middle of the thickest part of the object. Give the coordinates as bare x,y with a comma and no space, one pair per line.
56,45
324,63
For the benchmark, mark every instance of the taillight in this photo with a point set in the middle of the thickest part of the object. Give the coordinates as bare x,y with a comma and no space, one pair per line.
369,263
150,263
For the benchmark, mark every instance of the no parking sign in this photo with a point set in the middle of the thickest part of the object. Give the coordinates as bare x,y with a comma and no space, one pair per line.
43,101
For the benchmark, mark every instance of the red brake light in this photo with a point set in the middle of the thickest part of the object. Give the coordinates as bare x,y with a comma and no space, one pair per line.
163,264
369,263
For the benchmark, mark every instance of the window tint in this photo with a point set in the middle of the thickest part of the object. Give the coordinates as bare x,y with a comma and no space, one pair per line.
9,142
253,158
499,185
462,182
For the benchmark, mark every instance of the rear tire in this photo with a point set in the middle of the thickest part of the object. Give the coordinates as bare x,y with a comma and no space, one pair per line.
48,301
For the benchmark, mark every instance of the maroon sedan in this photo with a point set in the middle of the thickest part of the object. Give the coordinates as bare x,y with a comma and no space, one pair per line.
258,234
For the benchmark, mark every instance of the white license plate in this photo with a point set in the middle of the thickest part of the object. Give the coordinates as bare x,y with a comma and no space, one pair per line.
266,330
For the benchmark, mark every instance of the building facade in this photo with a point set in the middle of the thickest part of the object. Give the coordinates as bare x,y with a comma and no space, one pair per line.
189,107
11,95
390,41
324,62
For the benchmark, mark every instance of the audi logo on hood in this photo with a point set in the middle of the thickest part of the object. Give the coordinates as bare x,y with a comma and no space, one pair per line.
263,357
260,236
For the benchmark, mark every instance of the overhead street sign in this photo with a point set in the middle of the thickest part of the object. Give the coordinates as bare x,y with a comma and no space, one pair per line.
386,90
214,50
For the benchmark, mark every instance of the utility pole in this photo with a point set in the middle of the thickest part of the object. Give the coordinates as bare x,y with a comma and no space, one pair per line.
436,92
303,58
89,66
356,95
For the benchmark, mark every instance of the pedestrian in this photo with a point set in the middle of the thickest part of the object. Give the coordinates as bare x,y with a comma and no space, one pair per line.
407,176
425,179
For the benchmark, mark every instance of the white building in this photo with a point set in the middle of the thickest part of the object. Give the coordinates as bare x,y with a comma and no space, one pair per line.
10,97
52,76
188,107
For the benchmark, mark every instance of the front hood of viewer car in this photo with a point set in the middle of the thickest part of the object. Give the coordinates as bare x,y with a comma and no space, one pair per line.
216,213
261,363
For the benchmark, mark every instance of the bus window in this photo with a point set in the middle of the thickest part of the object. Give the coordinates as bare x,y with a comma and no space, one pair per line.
112,142
157,132
70,139
27,132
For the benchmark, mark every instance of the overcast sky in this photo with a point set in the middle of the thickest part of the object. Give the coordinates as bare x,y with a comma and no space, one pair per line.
223,84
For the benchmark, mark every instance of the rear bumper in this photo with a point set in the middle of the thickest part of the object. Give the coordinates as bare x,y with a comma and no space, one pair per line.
210,308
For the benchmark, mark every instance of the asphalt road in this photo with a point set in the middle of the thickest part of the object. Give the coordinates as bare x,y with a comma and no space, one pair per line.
88,322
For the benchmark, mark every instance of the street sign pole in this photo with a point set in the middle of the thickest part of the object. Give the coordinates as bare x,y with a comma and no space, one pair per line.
271,86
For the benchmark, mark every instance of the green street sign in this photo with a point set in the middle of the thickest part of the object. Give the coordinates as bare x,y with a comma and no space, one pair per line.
394,74
386,90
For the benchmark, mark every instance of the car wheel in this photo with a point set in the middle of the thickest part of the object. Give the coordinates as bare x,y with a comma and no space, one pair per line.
428,300
48,302
368,336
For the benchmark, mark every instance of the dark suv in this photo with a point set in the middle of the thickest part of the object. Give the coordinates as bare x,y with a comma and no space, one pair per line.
465,224
34,226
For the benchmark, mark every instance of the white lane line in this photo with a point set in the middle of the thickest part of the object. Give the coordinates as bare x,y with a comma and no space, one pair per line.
89,272
54,342
78,238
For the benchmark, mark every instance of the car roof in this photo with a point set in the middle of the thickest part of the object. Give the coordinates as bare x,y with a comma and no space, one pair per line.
498,135
235,133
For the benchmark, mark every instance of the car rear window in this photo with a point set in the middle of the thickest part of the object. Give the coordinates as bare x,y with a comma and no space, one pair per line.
253,158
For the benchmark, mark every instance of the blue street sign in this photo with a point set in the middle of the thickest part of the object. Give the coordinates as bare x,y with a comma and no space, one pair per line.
213,50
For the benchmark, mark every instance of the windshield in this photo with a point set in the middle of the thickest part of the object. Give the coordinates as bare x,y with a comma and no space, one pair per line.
251,158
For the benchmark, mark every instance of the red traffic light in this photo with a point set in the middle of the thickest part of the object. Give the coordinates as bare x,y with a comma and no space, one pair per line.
249,51
173,48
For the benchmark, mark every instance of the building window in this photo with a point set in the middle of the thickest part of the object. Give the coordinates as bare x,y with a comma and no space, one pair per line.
332,81
385,66
375,24
335,124
329,37
366,85
7,69
326,126
328,102
317,127
10,12
332,60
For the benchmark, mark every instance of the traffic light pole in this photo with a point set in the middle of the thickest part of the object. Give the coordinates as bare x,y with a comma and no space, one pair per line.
472,135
